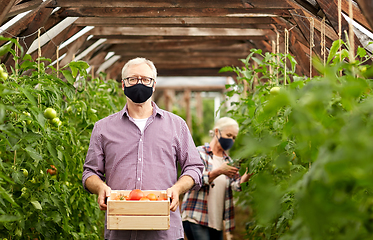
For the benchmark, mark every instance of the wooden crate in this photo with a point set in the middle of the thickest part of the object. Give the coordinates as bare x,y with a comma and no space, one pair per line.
138,215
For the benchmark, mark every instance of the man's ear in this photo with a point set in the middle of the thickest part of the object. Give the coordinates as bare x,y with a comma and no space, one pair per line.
122,85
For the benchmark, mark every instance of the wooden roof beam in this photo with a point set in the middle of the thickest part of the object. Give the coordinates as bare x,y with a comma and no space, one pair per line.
23,7
153,4
366,7
178,31
330,8
5,6
172,12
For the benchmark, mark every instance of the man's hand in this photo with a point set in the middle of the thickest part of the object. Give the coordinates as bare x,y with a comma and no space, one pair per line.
95,185
174,195
181,186
104,192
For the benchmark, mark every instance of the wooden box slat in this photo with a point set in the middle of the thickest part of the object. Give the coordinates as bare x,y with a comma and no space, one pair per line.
120,222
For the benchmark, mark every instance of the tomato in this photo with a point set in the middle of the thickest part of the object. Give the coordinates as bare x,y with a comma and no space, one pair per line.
152,197
3,74
275,90
52,171
28,115
56,122
50,113
136,194
25,172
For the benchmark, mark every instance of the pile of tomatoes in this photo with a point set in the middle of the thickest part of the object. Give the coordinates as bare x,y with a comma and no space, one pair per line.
138,195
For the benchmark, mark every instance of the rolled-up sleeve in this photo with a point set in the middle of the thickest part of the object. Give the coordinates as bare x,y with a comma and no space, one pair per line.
189,158
95,159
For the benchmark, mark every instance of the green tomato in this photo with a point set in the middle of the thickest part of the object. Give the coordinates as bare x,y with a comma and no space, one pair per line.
25,172
29,115
56,122
3,74
50,113
275,90
69,109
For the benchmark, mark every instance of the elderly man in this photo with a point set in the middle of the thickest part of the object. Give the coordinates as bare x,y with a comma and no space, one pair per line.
139,148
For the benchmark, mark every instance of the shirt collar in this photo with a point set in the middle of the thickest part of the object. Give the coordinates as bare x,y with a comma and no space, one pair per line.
156,110
209,151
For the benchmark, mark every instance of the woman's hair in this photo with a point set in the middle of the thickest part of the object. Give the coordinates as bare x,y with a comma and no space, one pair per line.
222,123
137,61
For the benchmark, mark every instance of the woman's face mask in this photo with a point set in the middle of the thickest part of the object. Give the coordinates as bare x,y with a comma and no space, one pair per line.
225,143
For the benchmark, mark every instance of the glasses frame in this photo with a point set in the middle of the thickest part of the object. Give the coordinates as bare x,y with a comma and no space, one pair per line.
138,79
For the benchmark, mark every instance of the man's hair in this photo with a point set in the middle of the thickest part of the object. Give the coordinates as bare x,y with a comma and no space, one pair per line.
137,61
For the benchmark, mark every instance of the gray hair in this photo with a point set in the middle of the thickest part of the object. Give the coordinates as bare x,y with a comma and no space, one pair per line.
222,123
137,61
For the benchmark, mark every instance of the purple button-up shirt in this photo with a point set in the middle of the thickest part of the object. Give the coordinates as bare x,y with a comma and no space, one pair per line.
127,159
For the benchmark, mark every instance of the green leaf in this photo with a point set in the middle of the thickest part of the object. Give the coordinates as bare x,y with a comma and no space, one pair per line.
69,77
333,50
361,52
33,153
5,48
226,69
7,196
36,204
29,96
9,218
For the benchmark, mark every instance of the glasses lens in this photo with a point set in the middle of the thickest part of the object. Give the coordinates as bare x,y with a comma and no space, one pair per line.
135,80
146,81
132,80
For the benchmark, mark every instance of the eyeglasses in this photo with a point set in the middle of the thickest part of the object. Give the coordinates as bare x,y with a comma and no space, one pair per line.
135,80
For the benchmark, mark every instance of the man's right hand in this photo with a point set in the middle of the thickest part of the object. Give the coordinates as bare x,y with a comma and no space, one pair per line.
95,185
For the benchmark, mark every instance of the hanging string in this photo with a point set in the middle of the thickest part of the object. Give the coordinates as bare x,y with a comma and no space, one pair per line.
351,32
340,27
323,45
39,53
312,28
57,60
272,60
16,63
277,53
286,52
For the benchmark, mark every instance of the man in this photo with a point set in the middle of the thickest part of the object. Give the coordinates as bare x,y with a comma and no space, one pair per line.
139,148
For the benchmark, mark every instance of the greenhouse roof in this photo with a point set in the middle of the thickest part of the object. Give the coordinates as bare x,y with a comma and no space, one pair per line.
182,38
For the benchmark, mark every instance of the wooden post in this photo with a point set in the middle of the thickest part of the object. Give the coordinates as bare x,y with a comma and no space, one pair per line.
169,95
255,80
199,107
187,95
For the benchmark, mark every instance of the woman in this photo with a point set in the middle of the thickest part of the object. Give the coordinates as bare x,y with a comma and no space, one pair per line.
204,211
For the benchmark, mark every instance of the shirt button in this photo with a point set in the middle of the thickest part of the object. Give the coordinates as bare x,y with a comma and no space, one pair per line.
140,140
140,159
138,179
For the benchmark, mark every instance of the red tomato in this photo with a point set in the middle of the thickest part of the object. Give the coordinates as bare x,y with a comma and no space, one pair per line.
152,197
52,171
136,194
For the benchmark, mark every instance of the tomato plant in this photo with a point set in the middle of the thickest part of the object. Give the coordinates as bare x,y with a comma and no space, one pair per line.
309,148
33,203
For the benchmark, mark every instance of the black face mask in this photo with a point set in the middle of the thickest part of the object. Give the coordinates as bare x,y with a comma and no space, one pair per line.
225,143
138,93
